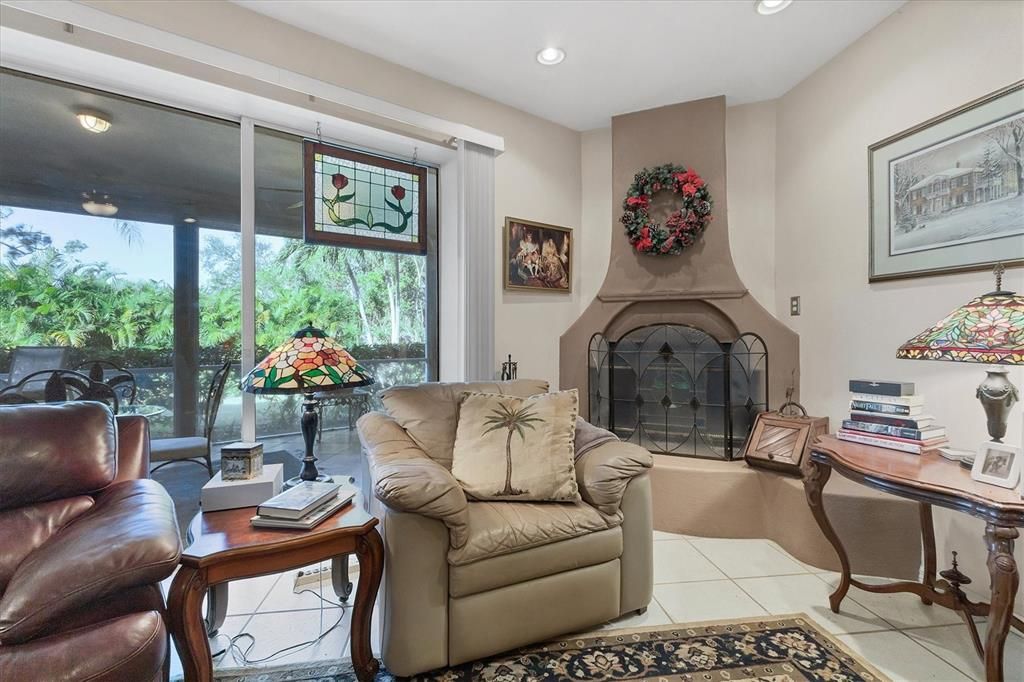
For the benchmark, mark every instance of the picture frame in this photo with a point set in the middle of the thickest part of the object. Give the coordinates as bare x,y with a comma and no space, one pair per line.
998,464
947,195
537,257
342,190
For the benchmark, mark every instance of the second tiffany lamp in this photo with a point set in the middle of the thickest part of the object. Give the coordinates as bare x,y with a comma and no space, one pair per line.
989,330
310,362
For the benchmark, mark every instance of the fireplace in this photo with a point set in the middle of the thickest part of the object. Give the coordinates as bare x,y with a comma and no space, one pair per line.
675,389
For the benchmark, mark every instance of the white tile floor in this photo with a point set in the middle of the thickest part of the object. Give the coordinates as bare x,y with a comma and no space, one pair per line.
696,579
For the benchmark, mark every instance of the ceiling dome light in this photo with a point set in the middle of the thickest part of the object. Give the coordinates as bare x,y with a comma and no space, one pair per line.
550,56
190,220
766,7
93,121
98,205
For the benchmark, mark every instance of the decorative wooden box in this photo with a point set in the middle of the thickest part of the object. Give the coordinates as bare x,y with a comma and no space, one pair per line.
781,441
241,461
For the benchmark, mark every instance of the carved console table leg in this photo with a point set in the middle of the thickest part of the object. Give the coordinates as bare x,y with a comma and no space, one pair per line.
1003,569
184,611
370,552
928,546
815,478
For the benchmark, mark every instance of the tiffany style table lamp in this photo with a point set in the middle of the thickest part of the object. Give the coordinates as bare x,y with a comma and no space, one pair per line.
307,363
989,330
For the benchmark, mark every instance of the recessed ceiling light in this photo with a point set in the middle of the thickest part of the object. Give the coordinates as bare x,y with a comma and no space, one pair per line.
190,220
771,6
550,56
93,121
98,205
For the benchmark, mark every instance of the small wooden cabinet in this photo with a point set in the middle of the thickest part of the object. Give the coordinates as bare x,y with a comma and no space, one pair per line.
782,442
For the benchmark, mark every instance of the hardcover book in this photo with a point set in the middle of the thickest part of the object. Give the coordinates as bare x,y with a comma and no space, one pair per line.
888,399
886,408
312,518
881,387
897,431
298,501
918,421
909,446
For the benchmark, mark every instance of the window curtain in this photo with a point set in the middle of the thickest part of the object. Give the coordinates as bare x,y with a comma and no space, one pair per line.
477,260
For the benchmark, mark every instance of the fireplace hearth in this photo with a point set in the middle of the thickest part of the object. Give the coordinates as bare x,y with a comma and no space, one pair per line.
675,389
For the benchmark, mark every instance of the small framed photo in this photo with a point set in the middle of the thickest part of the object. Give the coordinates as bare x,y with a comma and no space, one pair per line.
998,464
537,256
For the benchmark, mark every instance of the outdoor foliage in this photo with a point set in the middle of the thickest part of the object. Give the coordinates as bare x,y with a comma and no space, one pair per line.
372,302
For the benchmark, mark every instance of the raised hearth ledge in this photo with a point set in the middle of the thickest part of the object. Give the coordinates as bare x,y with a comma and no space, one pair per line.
714,498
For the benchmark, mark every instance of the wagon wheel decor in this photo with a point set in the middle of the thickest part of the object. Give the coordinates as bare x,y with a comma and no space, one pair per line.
683,226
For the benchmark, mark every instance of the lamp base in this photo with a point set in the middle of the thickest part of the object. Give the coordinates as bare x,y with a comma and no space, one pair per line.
997,395
296,480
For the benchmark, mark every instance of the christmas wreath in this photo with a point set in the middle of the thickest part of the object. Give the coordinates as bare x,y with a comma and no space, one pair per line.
683,226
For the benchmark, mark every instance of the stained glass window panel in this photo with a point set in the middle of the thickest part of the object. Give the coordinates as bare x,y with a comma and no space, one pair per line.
361,200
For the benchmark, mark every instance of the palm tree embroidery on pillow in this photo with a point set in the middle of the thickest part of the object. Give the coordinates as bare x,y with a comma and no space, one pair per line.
516,421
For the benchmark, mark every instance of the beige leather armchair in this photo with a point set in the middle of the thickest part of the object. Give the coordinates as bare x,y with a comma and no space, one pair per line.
465,579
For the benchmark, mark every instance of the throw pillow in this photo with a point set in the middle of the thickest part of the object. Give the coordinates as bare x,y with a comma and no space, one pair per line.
517,449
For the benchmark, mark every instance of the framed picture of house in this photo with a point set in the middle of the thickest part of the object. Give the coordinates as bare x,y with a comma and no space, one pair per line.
537,256
948,194
363,201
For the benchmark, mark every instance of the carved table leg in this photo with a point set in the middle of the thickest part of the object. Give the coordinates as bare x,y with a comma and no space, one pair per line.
928,545
815,478
370,552
216,607
339,577
185,613
1003,570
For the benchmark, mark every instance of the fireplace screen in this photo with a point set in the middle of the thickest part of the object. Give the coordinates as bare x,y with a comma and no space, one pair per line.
674,389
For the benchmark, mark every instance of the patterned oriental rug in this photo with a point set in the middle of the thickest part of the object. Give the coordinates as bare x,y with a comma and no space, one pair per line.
781,649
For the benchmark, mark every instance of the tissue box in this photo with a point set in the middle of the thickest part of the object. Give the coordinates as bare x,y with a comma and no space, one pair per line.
219,494
241,461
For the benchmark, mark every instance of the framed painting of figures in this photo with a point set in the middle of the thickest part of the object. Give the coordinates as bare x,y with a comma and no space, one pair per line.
537,256
948,194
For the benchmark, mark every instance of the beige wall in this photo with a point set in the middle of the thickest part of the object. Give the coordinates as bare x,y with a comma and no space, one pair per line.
925,59
538,176
750,155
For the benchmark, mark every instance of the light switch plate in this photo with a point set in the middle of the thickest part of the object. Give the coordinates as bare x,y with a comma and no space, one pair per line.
794,305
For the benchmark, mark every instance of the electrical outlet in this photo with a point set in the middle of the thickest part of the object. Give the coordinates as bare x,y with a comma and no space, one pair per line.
313,578
794,305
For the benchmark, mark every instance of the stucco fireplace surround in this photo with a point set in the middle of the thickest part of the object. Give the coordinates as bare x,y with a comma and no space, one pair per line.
681,315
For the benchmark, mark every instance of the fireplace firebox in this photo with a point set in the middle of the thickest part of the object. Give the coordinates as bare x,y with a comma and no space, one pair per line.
675,389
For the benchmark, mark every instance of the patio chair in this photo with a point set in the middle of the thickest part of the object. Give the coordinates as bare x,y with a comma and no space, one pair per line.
120,380
58,386
27,360
194,448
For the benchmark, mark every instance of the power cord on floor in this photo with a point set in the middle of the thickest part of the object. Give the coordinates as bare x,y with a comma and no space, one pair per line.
241,655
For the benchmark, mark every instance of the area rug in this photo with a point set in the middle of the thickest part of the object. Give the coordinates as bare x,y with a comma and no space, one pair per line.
780,649
185,480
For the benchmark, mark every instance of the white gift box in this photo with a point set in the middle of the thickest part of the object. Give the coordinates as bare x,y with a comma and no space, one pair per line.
219,494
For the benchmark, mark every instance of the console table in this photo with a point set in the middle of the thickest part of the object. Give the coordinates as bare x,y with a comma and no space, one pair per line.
930,480
225,546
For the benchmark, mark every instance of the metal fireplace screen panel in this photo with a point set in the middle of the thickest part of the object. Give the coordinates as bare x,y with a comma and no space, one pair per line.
674,389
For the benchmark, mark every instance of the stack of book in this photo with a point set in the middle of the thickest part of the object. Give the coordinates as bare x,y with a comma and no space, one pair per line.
888,414
303,506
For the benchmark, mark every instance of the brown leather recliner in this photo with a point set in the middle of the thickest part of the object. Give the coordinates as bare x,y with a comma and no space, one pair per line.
86,540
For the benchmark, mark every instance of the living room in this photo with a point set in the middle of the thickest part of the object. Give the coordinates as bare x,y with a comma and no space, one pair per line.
278,239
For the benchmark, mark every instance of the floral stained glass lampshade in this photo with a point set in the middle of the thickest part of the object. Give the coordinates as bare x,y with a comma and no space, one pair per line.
310,361
988,329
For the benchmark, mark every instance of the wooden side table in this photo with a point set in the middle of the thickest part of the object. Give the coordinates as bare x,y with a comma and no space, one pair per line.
226,547
930,479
